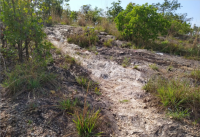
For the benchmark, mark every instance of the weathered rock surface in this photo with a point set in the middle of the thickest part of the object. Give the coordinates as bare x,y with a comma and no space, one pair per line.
134,119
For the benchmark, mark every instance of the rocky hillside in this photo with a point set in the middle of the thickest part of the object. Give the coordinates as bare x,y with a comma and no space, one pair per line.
135,111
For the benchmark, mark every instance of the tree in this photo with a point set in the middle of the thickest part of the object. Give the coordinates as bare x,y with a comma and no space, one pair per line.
95,15
141,22
47,8
114,10
91,14
168,6
85,9
22,25
179,23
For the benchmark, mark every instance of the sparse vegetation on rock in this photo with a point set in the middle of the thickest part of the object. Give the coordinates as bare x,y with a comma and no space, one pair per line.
81,73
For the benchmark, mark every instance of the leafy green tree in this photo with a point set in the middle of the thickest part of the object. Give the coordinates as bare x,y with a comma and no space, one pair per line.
114,10
141,22
47,8
90,14
23,26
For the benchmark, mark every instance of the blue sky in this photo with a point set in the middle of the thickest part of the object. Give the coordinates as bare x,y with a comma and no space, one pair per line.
191,7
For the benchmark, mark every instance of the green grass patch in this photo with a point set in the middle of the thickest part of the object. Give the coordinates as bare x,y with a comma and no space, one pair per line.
179,114
27,77
97,91
135,67
87,122
195,74
154,67
175,94
124,101
86,82
126,62
58,51
69,59
108,43
68,105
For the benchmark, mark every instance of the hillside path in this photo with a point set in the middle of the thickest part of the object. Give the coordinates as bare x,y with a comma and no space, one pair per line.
123,88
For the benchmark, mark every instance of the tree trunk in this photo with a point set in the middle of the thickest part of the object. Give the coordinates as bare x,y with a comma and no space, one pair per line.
26,46
20,51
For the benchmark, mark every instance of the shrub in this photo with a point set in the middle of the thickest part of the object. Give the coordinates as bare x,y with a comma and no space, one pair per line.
165,42
82,22
88,38
110,28
141,23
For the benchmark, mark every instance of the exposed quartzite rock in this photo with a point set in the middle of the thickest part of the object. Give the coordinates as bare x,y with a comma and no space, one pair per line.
117,83
103,33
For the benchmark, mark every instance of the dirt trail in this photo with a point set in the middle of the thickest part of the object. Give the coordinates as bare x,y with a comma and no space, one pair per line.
123,88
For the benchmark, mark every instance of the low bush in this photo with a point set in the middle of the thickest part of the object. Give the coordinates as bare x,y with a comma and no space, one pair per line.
174,47
82,22
88,38
110,28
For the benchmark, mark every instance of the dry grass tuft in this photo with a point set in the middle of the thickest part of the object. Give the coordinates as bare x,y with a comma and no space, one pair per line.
176,94
27,77
87,121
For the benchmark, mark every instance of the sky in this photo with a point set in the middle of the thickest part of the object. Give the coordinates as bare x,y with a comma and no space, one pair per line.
191,7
